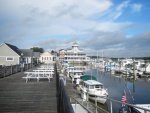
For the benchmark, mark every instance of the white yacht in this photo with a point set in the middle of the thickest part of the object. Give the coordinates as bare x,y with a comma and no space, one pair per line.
94,90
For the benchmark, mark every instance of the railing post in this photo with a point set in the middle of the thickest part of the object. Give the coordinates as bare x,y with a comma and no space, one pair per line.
11,70
96,103
4,71
87,99
16,68
75,107
111,107
70,99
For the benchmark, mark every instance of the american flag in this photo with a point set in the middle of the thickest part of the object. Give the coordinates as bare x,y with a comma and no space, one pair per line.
124,98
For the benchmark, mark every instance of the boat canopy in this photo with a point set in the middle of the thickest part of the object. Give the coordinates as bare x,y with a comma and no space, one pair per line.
93,82
87,77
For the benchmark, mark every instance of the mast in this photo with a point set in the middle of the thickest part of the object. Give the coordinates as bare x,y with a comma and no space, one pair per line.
97,55
102,59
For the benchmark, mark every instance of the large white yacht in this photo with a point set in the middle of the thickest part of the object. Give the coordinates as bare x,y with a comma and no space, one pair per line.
94,90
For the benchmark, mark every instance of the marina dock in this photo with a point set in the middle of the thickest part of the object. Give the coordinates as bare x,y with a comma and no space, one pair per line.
44,96
17,96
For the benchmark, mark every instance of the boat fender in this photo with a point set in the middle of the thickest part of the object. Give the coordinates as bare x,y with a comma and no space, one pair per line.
84,96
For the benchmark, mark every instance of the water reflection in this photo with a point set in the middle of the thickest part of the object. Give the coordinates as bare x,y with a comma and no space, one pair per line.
137,90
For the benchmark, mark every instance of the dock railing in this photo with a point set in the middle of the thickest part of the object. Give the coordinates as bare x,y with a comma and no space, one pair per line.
110,102
9,70
85,105
131,107
63,103
12,69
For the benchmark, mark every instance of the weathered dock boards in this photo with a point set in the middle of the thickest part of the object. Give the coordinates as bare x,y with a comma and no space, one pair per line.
17,96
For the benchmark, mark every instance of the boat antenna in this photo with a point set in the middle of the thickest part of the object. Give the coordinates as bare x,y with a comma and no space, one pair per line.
91,72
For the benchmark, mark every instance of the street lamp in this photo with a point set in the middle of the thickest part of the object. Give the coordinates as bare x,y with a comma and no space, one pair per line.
22,62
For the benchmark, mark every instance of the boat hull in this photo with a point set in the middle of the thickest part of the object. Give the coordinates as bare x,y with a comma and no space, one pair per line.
100,99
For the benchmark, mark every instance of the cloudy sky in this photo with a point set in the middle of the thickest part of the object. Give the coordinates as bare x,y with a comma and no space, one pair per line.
119,28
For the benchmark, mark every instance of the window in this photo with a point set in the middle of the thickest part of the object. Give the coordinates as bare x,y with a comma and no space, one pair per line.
98,86
91,87
9,59
87,86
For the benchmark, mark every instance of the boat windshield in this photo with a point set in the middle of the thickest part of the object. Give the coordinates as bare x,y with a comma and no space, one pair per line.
98,86
78,73
85,85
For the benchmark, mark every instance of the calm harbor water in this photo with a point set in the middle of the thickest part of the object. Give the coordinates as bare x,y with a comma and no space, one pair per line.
137,92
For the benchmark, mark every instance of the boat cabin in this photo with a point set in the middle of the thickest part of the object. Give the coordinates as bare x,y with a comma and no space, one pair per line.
92,84
76,75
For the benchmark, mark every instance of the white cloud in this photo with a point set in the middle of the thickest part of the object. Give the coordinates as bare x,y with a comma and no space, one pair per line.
86,8
119,9
38,23
136,7
123,5
112,27
53,16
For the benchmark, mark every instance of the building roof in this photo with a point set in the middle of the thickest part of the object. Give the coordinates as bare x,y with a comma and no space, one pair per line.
46,53
75,44
26,52
14,48
36,54
62,50
75,53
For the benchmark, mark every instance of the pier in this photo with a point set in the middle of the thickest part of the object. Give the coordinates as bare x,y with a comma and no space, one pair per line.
44,96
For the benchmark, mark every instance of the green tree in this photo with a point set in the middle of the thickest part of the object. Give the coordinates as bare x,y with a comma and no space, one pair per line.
41,50
36,49
54,53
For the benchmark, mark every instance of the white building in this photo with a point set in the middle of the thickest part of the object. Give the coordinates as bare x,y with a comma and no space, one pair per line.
46,58
73,55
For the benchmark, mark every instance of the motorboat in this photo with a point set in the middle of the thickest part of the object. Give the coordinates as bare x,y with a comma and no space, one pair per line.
75,70
76,75
94,90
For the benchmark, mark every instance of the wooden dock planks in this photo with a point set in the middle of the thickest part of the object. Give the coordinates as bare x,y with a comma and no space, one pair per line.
17,96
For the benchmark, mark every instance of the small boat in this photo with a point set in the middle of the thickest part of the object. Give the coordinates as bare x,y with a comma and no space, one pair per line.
76,75
146,106
94,90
